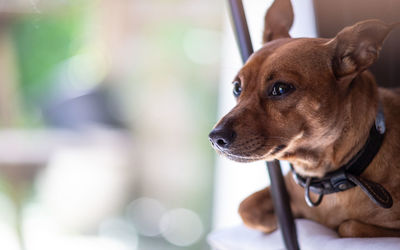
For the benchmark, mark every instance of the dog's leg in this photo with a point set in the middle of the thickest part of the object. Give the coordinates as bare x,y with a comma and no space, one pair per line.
257,211
354,228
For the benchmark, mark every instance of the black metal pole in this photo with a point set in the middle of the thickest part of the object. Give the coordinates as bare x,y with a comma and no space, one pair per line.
241,29
278,189
282,208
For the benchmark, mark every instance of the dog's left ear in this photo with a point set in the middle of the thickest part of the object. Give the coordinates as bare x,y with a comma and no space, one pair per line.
357,47
278,20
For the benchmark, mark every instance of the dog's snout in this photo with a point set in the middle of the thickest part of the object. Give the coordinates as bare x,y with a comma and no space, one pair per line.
222,137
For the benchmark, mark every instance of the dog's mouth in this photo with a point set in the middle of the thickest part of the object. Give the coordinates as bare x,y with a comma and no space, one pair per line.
239,157
244,154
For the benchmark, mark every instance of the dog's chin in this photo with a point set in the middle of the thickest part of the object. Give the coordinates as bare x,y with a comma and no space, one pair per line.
256,155
242,158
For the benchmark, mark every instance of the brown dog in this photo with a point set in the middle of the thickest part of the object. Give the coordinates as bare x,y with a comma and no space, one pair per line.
312,102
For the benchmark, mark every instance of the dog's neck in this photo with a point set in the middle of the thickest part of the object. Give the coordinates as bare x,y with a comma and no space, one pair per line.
352,134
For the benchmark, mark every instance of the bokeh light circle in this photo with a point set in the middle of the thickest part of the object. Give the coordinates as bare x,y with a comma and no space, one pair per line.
146,213
181,227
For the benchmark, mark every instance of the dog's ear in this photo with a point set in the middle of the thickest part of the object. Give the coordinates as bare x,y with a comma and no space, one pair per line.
278,20
357,47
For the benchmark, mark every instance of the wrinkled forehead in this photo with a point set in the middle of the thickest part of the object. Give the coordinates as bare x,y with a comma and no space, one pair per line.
304,56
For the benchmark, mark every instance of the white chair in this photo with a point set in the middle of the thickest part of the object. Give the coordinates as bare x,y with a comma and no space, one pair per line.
311,236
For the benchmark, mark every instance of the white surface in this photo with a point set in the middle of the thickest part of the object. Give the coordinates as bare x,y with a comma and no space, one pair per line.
235,181
312,236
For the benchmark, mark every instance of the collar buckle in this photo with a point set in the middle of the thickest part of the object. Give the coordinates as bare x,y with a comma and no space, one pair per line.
340,182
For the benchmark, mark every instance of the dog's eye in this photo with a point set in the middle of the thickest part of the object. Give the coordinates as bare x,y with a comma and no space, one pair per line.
237,88
281,88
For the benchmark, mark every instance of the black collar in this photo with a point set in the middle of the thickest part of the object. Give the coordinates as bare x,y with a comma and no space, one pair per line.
348,175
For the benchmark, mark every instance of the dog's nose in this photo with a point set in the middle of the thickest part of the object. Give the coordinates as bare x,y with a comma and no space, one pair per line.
222,137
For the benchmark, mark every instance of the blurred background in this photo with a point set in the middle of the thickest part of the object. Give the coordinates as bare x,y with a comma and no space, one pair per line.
105,108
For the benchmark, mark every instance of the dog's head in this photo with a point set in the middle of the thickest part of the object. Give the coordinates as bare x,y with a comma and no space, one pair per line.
292,93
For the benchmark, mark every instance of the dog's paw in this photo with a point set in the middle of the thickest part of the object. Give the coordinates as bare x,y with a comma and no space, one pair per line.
257,212
349,228
354,228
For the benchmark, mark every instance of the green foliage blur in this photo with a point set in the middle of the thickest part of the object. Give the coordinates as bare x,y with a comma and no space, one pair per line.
42,42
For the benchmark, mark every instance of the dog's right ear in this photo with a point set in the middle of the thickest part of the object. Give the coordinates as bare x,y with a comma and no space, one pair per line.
278,20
